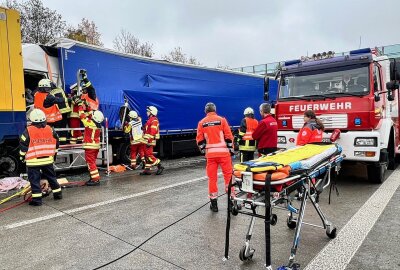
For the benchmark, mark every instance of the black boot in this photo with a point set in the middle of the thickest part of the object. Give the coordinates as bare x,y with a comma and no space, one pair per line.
160,169
214,205
57,195
146,172
35,202
92,183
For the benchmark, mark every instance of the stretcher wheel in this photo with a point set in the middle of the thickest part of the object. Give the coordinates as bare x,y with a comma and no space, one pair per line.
291,223
235,208
274,219
332,234
242,254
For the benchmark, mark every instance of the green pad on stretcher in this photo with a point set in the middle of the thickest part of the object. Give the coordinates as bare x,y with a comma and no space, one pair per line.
281,159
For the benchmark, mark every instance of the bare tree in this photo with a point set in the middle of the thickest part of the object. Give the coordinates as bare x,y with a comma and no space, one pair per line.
127,43
177,55
85,32
39,24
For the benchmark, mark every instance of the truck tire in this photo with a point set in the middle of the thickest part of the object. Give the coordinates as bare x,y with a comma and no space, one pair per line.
392,164
10,165
124,154
377,171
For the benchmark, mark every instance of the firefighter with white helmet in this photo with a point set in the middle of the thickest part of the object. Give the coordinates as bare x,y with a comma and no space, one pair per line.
38,147
135,130
247,145
151,135
91,141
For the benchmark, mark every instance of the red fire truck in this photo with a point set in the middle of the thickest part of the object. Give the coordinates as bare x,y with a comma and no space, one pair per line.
355,93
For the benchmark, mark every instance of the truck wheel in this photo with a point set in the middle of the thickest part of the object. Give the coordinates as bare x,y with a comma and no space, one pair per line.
377,172
10,164
392,156
124,154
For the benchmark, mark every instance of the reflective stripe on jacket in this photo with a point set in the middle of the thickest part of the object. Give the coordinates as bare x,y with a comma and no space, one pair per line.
309,133
152,130
214,131
52,113
42,146
93,104
64,107
135,130
91,136
246,141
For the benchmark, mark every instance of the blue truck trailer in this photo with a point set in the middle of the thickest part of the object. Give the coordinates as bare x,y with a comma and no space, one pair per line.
179,91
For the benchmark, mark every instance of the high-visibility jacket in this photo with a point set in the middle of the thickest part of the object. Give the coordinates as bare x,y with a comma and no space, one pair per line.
52,113
135,130
93,104
92,133
309,133
151,131
246,141
38,144
63,107
215,136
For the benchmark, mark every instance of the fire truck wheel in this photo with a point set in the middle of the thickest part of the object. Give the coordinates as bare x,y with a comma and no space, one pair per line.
392,164
377,172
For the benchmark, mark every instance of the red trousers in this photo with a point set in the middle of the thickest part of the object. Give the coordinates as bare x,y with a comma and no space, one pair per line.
135,149
76,134
151,160
91,156
212,173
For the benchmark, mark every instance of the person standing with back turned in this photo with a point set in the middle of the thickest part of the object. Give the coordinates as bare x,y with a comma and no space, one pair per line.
266,132
215,140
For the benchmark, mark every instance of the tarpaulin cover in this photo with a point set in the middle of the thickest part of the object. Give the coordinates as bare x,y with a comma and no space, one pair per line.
178,91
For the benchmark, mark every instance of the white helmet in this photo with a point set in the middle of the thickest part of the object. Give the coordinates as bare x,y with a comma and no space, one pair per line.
248,110
133,114
45,85
97,116
37,116
153,110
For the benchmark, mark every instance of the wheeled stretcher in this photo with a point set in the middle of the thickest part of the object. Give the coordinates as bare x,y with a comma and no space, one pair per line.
275,181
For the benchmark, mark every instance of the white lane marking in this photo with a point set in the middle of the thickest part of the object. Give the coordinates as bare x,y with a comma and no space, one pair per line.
338,253
90,206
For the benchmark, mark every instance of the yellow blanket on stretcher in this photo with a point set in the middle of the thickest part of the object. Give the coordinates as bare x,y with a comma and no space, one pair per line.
281,159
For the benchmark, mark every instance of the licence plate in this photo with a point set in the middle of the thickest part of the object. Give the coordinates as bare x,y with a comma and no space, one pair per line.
247,182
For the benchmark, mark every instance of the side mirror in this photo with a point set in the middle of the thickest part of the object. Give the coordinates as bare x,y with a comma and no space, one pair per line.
392,85
266,89
390,96
377,98
394,70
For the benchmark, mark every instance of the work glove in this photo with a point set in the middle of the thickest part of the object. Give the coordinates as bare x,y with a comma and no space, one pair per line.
22,159
83,74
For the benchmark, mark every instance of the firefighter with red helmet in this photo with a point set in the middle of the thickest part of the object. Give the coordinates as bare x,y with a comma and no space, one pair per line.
247,144
312,130
135,130
151,135
38,148
91,142
215,140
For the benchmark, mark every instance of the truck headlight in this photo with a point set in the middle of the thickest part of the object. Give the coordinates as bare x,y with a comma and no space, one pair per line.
366,142
281,139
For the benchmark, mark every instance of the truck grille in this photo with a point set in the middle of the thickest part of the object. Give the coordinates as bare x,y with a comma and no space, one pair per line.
329,120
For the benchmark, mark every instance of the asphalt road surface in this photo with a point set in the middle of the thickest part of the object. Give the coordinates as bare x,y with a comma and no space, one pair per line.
164,222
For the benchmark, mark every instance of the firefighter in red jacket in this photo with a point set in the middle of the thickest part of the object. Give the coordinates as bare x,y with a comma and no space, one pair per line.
38,148
215,140
266,132
135,130
151,135
247,144
312,129
91,142
47,103
90,102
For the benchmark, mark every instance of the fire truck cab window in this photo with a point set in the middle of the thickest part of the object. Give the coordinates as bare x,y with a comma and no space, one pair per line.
332,82
377,79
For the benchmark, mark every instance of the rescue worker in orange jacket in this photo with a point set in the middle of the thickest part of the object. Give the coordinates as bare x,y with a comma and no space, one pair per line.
247,145
90,102
91,142
48,103
151,135
135,130
215,140
38,148
312,130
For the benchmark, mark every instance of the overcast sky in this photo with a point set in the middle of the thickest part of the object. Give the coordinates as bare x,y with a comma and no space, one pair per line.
240,33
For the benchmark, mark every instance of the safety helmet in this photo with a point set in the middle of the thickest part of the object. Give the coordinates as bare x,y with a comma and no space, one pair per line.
133,114
37,116
153,110
44,85
248,110
97,116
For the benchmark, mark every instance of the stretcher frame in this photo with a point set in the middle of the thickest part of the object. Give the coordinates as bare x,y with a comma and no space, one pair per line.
77,149
307,188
